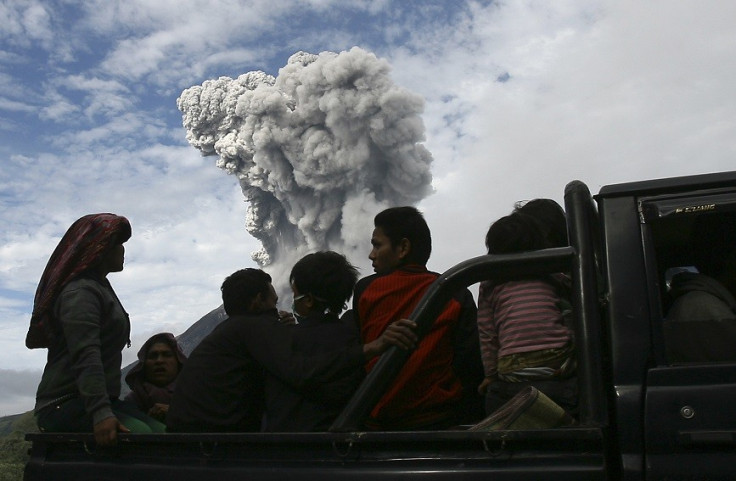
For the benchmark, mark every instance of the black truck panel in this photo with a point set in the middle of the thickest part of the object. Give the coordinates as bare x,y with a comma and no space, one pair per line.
573,453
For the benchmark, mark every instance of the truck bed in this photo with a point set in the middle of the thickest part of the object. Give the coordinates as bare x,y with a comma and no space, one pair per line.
566,453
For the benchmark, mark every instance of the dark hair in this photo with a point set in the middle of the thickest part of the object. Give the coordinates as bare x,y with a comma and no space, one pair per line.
550,217
328,276
713,239
514,233
240,289
399,223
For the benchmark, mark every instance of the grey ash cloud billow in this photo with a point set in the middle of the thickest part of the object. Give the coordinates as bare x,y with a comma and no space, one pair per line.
318,149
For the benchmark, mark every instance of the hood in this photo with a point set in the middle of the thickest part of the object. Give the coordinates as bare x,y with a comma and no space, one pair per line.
137,370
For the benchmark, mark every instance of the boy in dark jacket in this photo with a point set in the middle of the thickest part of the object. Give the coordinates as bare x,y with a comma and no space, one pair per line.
322,283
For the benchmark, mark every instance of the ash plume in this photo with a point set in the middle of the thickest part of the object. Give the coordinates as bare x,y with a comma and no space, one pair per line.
318,150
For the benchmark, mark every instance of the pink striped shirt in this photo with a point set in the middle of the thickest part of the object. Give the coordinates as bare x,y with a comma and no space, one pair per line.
518,316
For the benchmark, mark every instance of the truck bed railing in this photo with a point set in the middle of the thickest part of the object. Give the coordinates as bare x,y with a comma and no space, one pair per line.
582,218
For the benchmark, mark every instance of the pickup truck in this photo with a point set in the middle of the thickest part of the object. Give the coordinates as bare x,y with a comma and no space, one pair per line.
641,416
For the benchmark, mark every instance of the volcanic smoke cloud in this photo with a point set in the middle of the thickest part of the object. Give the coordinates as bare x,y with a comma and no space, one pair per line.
319,150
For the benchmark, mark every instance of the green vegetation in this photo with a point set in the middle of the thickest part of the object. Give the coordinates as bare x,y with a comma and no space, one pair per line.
13,447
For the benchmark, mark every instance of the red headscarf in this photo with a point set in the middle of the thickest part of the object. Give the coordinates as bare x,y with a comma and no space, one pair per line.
84,244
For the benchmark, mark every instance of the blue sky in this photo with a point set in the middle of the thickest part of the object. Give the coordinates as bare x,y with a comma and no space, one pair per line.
519,98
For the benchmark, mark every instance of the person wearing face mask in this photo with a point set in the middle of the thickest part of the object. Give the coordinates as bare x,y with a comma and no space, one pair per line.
322,283
221,386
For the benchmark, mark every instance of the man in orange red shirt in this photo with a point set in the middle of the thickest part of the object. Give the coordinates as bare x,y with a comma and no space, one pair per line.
436,389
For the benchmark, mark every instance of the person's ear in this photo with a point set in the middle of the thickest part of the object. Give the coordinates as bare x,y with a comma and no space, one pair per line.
404,248
257,303
309,302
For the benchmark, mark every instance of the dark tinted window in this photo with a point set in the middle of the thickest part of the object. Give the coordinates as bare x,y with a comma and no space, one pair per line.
691,259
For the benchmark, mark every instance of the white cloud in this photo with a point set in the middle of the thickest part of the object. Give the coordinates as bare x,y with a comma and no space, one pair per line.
24,22
58,109
15,106
13,354
102,97
226,58
193,33
601,91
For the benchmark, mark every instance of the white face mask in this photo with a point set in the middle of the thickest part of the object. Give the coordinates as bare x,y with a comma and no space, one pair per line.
298,317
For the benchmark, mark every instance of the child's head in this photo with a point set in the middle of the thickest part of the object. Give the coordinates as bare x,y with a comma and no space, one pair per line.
515,233
550,217
327,278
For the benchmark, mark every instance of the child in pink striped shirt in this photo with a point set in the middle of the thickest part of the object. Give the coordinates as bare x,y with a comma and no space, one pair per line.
521,323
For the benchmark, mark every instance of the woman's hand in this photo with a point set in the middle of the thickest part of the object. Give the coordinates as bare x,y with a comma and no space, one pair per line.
106,431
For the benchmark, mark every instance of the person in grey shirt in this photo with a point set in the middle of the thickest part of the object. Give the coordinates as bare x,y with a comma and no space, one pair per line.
78,317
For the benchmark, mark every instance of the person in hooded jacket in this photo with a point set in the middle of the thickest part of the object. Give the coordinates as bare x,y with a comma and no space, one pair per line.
153,378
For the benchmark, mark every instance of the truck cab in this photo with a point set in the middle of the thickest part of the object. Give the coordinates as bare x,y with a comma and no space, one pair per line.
674,419
644,413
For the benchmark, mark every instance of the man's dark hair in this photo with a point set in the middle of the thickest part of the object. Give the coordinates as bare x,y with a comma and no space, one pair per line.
407,223
241,288
515,233
328,276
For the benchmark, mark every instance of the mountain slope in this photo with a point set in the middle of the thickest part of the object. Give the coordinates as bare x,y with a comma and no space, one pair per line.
13,447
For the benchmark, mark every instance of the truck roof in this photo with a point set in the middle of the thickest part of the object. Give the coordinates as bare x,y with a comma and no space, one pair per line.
669,185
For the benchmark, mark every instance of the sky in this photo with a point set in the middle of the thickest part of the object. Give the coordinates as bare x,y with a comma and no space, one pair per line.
507,101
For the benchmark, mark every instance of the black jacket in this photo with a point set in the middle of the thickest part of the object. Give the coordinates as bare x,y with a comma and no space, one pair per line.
291,410
221,387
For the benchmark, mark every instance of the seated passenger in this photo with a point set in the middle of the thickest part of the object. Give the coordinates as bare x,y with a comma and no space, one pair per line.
521,323
221,386
701,324
322,283
436,388
153,377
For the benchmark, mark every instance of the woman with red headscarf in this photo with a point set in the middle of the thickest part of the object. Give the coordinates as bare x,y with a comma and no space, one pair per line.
79,318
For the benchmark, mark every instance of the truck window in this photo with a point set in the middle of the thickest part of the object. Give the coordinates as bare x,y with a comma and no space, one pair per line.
691,246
